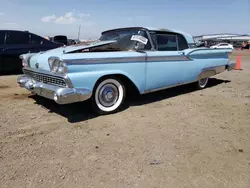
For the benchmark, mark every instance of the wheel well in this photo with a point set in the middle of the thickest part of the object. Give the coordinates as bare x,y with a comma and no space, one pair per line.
206,73
130,86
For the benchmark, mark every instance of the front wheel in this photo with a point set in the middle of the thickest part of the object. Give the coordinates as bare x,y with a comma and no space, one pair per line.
108,95
202,83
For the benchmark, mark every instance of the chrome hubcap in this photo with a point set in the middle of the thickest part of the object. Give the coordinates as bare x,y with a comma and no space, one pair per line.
202,81
108,95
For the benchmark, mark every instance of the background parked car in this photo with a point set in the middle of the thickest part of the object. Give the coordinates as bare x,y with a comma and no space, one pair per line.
13,43
222,45
71,42
60,39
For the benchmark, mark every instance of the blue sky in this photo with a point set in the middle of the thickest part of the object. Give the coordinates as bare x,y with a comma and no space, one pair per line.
51,17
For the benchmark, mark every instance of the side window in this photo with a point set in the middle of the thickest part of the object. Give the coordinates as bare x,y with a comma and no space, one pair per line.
38,40
17,37
2,37
154,38
182,43
148,45
166,42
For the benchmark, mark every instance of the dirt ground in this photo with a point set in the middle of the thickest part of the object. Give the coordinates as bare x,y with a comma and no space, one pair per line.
180,137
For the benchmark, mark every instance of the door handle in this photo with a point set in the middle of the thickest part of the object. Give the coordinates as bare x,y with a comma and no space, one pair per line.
181,53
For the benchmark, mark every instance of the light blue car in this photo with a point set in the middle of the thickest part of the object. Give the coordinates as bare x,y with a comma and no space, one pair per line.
146,59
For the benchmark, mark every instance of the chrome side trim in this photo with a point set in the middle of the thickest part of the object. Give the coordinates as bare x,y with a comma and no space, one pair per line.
168,58
105,60
41,71
166,87
127,60
224,50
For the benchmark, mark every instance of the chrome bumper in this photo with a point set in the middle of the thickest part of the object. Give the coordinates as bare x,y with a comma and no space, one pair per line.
59,94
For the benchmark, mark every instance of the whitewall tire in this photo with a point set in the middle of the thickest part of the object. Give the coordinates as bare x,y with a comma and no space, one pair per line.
202,83
108,95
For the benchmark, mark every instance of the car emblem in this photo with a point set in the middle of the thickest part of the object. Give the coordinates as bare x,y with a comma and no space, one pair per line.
37,65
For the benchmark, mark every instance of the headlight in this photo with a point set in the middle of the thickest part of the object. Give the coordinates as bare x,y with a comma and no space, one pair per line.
24,61
57,66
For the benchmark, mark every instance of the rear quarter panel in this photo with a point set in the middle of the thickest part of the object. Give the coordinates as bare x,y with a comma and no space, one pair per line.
203,59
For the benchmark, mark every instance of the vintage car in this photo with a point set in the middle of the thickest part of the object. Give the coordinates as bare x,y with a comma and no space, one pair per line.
13,43
146,59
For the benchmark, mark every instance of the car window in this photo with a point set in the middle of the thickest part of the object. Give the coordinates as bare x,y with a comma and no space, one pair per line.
16,37
182,43
38,40
2,37
123,38
166,42
60,37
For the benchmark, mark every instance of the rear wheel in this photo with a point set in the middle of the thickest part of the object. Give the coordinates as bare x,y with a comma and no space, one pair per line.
202,83
108,95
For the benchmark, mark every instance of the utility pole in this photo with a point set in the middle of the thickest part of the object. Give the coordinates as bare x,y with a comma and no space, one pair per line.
79,32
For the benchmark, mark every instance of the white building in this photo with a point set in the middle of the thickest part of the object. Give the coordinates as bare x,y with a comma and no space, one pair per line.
223,36
213,36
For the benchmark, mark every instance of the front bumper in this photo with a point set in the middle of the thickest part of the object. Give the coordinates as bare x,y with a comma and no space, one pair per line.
59,94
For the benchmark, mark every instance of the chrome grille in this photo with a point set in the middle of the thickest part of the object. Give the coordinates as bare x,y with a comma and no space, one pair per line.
47,79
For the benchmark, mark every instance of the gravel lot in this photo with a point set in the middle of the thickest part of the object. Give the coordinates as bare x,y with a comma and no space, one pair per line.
180,137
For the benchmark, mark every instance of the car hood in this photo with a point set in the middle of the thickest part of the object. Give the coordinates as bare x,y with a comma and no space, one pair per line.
40,60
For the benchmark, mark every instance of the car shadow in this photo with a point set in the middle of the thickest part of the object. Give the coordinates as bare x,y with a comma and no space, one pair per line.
75,112
9,73
79,112
171,92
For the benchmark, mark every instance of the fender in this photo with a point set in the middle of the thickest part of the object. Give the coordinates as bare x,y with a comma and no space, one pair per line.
88,79
211,71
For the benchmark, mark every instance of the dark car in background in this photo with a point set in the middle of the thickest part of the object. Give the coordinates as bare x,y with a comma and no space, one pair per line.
60,39
71,42
13,43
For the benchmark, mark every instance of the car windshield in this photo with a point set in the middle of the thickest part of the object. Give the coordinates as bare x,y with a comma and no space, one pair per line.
126,39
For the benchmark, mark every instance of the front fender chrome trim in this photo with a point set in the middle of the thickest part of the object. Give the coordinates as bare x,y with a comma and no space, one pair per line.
142,59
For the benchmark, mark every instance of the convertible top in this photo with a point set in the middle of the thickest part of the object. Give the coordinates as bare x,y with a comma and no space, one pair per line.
187,36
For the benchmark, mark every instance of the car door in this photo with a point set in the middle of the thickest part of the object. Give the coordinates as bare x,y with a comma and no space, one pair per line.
17,43
2,45
167,65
